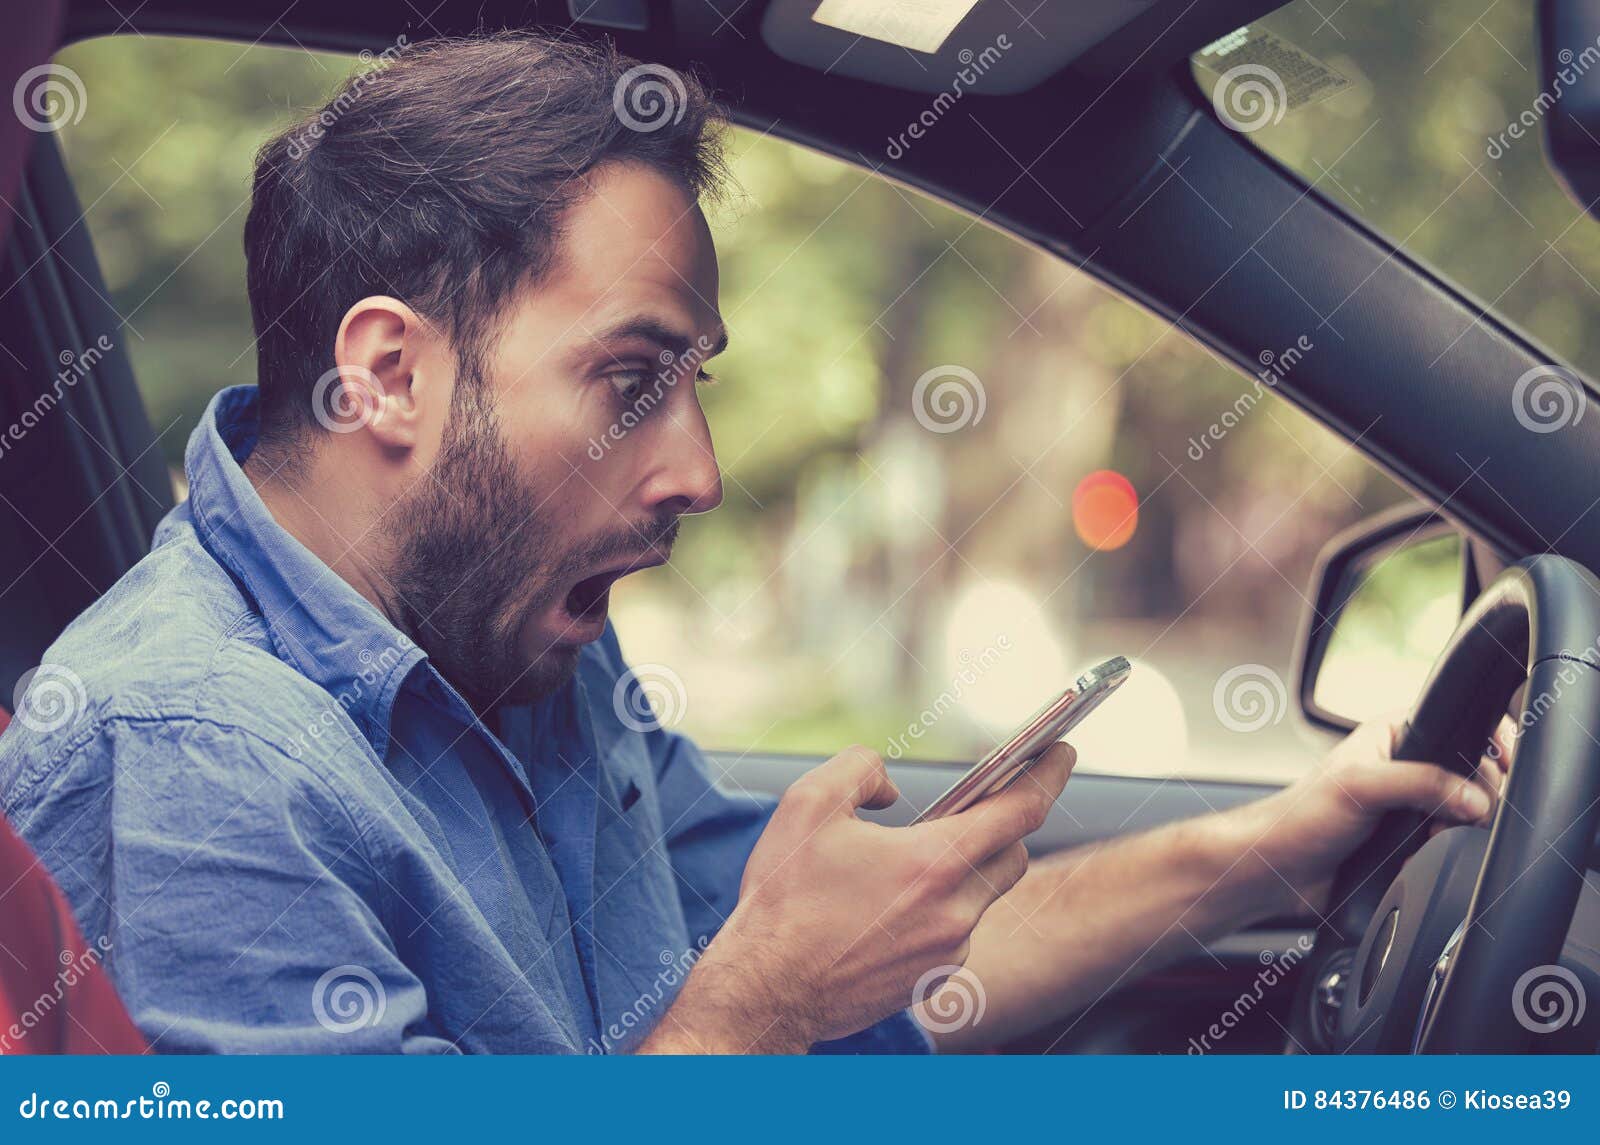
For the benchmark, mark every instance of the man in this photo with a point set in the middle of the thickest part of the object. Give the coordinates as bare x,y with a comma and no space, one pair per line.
355,761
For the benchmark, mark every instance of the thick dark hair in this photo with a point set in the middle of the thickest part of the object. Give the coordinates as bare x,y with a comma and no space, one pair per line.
440,177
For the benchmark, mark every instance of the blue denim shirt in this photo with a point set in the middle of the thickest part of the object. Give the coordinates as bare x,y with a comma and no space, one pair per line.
296,836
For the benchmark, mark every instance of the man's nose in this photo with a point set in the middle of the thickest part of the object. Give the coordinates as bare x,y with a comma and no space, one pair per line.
688,479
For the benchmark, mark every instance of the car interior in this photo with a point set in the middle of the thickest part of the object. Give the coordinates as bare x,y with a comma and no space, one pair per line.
1097,116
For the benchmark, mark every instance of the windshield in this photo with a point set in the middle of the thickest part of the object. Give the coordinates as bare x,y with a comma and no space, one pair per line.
1433,137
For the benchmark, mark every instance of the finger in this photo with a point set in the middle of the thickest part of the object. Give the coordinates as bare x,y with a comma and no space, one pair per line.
1377,737
1387,730
1052,769
1389,785
1000,872
1489,777
856,777
990,880
995,823
1503,744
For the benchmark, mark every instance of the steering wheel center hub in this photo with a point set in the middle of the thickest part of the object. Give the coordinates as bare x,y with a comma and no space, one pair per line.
1398,956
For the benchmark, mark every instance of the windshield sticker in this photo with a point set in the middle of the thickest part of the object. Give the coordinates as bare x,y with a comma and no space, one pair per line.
1261,77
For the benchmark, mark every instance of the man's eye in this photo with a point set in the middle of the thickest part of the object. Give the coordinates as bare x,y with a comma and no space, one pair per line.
629,384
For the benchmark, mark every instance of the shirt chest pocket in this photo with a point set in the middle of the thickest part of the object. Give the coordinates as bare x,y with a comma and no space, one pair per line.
638,915
632,865
629,806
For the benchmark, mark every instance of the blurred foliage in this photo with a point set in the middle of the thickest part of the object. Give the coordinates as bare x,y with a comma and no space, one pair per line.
1415,147
861,561
161,161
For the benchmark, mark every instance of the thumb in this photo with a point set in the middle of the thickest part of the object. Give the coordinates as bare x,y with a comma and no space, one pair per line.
1426,787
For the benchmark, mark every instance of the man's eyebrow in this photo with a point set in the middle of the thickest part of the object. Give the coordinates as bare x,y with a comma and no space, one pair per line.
654,330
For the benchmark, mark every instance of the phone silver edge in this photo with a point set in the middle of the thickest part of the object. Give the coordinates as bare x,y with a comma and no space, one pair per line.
1011,757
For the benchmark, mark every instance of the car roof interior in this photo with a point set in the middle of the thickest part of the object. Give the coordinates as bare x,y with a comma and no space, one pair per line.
1101,119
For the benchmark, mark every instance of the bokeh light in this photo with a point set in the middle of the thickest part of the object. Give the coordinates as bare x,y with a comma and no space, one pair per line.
1029,663
1142,730
1105,510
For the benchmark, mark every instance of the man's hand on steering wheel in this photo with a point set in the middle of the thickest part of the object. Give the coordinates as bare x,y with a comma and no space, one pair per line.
1306,830
1426,945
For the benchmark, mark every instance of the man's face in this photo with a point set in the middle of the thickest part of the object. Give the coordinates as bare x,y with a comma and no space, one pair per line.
569,463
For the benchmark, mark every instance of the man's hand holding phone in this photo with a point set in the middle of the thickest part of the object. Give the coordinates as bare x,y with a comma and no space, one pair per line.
839,917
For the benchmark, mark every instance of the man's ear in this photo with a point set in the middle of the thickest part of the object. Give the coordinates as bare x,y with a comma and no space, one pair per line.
375,383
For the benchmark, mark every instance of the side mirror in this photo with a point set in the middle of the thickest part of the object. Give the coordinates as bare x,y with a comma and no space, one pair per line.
1385,596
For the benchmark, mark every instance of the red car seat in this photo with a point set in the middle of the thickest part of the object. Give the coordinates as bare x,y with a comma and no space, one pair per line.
55,995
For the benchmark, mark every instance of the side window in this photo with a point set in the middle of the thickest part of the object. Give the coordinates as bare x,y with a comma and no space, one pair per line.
957,470
160,158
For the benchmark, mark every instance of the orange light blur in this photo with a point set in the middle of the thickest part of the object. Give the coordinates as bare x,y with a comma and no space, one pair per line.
1105,510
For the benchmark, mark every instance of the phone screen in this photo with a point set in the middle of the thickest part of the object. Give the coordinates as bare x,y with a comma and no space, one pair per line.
1012,757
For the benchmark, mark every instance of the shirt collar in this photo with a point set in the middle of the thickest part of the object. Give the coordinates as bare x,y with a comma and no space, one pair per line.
317,622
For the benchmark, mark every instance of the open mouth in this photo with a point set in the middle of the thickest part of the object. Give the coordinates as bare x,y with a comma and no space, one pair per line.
587,601
589,598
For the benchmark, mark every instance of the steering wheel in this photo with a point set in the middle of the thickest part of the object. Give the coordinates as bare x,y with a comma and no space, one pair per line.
1433,946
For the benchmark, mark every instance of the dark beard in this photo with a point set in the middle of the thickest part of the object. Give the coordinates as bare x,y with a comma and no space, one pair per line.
478,556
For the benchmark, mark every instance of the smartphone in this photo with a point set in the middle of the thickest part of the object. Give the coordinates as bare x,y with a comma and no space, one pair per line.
1007,763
